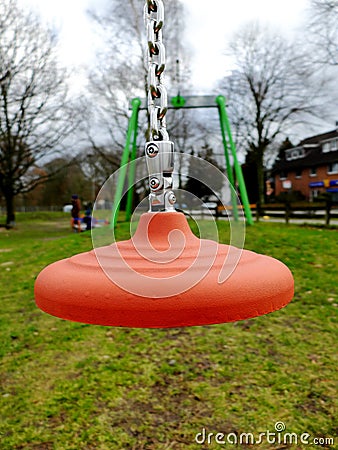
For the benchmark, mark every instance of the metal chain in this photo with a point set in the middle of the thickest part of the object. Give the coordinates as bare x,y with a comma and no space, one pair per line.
157,92
159,150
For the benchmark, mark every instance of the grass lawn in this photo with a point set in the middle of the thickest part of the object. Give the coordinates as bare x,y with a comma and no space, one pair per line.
68,385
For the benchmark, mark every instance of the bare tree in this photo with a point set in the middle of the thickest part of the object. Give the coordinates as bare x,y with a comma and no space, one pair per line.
35,113
67,177
323,31
272,89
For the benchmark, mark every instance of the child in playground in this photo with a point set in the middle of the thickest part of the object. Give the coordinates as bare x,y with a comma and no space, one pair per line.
76,222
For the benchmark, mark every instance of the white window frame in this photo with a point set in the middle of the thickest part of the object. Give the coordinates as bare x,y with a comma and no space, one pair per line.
298,177
313,171
330,146
326,148
333,145
333,169
294,153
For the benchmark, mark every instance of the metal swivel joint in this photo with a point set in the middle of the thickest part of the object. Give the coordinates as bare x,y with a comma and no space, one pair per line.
160,162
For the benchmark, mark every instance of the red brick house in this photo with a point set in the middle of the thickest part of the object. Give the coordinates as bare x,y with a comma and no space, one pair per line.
311,168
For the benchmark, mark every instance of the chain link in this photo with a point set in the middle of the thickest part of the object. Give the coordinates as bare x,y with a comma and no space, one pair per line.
157,92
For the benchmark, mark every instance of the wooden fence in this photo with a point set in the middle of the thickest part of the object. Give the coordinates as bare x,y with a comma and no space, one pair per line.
325,210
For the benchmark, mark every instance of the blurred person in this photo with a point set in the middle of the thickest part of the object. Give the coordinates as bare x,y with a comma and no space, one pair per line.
76,208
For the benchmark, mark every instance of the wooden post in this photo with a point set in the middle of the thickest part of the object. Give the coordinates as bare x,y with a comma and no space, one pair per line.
287,211
328,205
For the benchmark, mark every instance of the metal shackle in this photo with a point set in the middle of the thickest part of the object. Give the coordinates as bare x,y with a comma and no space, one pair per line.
160,163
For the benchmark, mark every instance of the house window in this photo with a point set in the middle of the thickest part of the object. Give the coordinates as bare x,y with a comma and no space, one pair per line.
299,173
326,147
283,175
330,146
313,171
332,168
294,153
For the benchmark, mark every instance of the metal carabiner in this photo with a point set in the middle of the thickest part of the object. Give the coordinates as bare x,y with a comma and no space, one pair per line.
160,163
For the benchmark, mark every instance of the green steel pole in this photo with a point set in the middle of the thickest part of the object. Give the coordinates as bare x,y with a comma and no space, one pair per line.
136,102
238,170
132,168
227,159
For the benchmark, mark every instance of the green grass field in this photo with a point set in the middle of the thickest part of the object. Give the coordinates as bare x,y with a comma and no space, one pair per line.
69,386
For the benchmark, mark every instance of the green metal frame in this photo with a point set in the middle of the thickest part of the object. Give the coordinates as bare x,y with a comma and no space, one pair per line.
130,150
128,155
226,133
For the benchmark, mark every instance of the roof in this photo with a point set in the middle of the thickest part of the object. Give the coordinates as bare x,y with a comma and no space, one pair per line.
320,137
311,148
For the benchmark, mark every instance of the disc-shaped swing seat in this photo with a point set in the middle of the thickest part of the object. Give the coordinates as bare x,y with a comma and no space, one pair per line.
164,277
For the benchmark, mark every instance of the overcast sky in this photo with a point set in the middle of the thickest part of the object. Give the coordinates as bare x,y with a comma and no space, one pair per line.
209,25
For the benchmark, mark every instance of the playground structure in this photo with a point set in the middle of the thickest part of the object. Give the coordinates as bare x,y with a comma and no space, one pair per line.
164,276
234,172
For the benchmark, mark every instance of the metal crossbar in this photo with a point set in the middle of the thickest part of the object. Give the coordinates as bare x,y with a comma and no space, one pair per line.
187,102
